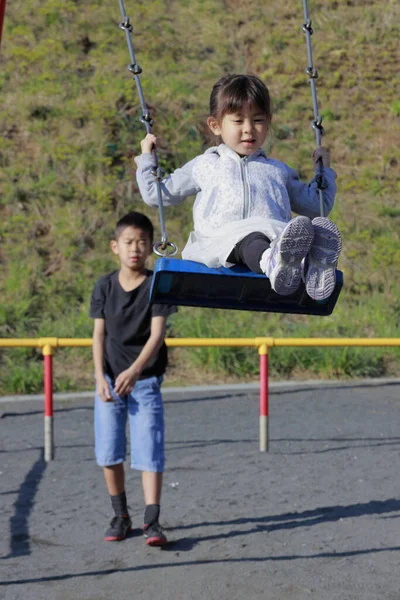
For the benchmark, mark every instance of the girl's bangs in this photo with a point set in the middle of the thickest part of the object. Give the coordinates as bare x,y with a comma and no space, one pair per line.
234,103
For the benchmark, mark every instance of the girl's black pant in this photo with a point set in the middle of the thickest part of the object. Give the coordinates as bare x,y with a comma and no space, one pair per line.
249,251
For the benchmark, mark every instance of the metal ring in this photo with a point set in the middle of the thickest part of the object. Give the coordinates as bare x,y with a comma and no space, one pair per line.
165,252
316,125
126,25
158,173
135,69
322,184
307,27
312,72
146,119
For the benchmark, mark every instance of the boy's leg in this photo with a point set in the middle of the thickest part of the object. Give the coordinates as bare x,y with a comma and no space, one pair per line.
110,447
146,417
283,262
152,485
114,476
320,265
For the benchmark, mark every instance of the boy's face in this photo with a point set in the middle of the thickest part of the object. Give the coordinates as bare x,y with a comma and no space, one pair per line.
133,247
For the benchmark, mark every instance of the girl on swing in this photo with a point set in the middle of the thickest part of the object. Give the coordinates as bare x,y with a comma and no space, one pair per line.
244,199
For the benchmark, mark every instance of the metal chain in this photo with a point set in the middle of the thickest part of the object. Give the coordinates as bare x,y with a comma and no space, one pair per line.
317,122
163,248
169,248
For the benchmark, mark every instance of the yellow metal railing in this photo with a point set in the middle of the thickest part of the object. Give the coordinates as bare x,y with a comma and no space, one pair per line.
56,342
262,344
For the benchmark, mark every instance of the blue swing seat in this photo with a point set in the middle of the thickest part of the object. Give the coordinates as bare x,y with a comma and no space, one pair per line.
188,283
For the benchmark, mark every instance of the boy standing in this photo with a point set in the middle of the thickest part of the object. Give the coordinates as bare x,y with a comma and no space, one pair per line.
130,357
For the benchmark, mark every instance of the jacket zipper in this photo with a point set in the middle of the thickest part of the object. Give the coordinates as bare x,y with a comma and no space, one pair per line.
246,195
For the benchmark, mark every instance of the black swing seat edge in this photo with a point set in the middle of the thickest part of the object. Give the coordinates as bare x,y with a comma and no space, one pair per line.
188,283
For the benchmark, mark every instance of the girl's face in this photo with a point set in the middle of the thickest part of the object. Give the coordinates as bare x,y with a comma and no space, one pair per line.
244,132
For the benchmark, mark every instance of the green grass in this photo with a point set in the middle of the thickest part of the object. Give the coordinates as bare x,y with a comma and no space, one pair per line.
69,128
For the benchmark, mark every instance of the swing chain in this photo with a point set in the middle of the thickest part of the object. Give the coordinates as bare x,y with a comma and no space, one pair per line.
312,73
126,25
306,26
146,118
316,124
163,248
158,173
135,69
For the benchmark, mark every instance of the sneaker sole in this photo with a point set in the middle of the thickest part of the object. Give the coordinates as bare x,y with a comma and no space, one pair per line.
156,541
324,253
115,538
294,245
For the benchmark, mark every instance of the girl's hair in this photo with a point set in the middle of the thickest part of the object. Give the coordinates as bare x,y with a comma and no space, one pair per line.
232,92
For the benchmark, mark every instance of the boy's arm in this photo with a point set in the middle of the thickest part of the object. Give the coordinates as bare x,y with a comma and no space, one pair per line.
98,358
126,380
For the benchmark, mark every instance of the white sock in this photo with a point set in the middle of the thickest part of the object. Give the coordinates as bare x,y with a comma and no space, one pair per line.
264,261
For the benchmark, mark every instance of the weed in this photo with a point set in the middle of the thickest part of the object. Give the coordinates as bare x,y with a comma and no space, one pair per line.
69,129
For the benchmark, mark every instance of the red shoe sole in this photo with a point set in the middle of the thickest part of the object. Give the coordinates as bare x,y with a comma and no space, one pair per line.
117,539
155,541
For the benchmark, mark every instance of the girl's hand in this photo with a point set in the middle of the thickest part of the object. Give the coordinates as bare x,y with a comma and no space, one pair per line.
125,382
323,154
103,389
148,143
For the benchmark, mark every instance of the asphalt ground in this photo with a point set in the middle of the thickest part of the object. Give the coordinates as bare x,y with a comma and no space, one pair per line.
317,517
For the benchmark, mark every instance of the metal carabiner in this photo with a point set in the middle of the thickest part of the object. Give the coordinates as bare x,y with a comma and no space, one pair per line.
164,245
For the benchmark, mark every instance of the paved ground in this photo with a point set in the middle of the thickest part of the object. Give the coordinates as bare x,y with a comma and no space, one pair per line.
315,518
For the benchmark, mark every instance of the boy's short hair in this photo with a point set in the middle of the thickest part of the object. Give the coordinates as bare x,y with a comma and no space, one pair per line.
137,220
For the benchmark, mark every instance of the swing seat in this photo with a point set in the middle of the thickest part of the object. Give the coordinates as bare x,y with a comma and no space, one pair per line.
188,283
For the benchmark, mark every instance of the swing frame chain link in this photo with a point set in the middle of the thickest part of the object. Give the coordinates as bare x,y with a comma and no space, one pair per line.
127,26
146,118
135,69
307,26
158,173
164,247
316,124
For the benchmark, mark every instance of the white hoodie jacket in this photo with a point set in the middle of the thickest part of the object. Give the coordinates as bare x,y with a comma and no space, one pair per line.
235,196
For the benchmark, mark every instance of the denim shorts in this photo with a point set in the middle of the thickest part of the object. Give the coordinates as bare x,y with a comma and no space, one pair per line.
144,406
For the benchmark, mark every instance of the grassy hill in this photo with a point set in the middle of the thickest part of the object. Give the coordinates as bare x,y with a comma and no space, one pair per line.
69,129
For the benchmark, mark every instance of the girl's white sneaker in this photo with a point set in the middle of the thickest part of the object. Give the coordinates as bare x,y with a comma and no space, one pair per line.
320,265
282,263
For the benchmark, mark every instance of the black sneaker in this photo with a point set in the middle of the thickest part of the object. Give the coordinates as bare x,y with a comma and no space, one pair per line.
154,535
119,529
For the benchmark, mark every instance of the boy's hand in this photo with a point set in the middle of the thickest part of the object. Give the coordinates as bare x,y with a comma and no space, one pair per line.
103,389
148,143
125,382
323,154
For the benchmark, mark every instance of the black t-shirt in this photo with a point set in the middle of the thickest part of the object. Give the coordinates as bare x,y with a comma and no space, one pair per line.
127,318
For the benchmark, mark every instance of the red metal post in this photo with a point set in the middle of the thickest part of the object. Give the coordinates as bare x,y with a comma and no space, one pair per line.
2,14
48,385
48,403
263,352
